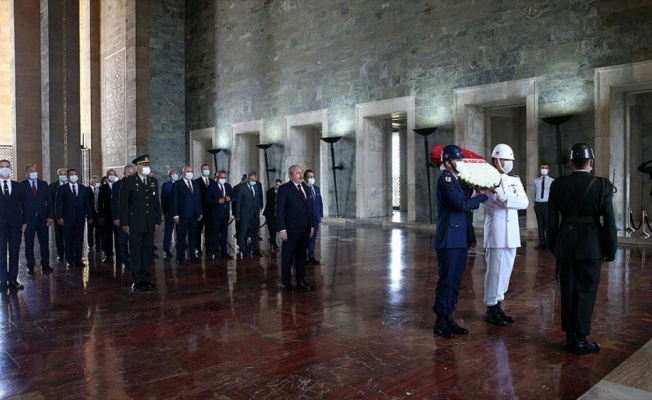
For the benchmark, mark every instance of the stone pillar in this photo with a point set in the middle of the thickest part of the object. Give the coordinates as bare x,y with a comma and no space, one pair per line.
25,86
60,84
137,75
91,100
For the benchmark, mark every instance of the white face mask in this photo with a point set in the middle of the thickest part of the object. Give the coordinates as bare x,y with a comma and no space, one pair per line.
222,181
174,177
73,178
311,181
5,172
63,178
146,170
544,172
206,172
189,175
33,176
252,183
97,185
509,165
113,178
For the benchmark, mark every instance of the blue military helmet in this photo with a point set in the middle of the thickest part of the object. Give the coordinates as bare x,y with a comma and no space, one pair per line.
451,152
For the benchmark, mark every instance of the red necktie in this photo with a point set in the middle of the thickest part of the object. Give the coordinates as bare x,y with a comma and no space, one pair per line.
34,188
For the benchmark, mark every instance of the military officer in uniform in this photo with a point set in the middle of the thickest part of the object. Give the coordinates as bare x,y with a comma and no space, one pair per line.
501,234
580,241
140,216
451,241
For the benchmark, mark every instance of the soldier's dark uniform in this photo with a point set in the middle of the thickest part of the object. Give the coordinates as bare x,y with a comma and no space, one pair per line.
140,210
580,250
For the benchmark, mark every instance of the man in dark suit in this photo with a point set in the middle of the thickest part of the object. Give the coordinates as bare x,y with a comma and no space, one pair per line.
94,230
186,210
140,216
204,181
73,207
451,241
166,192
110,241
317,213
219,197
249,204
270,214
39,215
580,241
294,219
62,174
123,237
234,203
13,204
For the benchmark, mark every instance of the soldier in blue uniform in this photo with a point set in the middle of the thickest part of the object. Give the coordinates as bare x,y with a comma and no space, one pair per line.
451,241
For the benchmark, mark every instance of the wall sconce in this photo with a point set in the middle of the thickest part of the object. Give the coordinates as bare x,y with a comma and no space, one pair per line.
214,153
425,132
331,140
264,147
557,121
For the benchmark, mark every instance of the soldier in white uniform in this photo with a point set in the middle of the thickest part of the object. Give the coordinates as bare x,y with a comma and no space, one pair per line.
501,234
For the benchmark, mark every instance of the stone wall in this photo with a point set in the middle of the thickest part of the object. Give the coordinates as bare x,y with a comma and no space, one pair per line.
5,74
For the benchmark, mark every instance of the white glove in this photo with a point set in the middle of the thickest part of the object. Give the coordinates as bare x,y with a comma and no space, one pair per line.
501,197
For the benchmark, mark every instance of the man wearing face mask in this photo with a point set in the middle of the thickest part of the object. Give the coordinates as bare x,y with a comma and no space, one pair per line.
13,223
270,214
582,234
249,203
39,216
140,217
94,231
219,197
541,193
123,237
203,226
502,235
110,241
186,210
317,213
73,208
166,191
62,179
451,241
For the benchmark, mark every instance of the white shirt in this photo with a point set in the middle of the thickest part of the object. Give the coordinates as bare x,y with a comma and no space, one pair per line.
547,181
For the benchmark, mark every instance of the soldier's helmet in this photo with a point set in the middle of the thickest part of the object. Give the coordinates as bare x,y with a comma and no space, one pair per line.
451,152
581,151
503,151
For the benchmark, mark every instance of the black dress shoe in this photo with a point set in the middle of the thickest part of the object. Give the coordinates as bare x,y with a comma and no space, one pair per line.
16,285
80,264
441,328
181,261
226,257
454,327
126,266
304,286
288,288
168,254
30,271
507,318
493,317
149,285
257,253
195,260
135,287
146,287
46,269
107,260
70,266
313,261
200,253
582,345
60,259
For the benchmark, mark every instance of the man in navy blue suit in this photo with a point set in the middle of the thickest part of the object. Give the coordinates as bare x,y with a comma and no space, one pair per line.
123,237
186,210
73,207
58,229
451,241
12,225
204,180
166,192
110,241
39,215
294,219
219,195
249,204
317,213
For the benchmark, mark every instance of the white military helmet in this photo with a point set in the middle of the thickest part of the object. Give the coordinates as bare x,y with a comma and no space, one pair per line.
502,151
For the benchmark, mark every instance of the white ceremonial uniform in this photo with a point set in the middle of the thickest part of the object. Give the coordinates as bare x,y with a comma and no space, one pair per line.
502,236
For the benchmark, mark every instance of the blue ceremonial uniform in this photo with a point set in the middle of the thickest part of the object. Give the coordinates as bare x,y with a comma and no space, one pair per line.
451,240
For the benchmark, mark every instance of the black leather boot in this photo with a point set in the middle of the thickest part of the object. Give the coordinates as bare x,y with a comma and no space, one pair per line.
582,345
441,328
507,318
454,327
493,317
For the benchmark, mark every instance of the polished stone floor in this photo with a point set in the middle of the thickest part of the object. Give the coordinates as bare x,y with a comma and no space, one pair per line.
225,330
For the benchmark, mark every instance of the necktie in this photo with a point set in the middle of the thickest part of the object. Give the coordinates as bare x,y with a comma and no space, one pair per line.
34,188
312,189
253,192
222,190
5,189
543,185
190,187
301,191
74,190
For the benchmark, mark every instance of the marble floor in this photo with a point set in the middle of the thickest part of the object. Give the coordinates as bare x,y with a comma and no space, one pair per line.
225,330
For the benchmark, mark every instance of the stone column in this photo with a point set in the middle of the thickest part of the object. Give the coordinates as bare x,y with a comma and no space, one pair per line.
91,100
60,84
137,78
25,86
